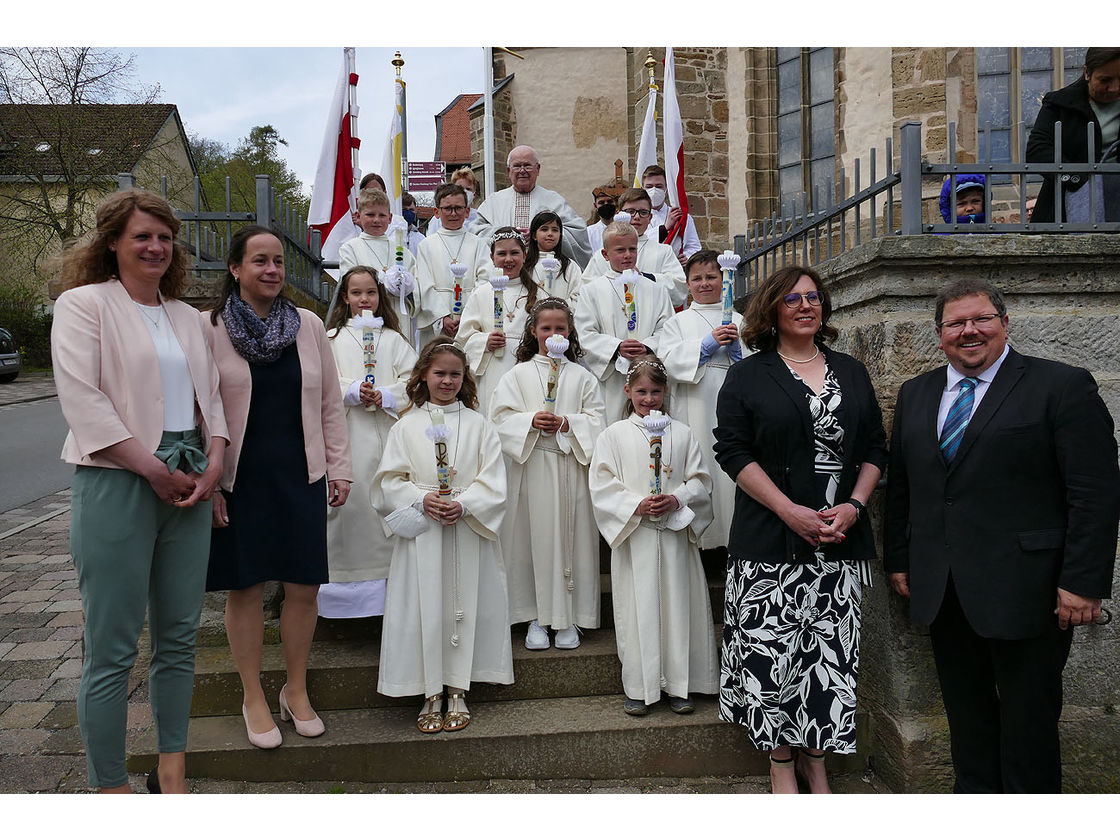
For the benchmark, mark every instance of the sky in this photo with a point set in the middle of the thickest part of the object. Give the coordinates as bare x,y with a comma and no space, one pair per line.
223,92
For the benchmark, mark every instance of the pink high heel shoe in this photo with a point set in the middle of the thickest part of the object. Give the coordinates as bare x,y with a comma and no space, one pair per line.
307,728
269,740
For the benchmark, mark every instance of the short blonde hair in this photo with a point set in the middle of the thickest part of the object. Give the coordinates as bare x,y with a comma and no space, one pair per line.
373,198
618,229
465,172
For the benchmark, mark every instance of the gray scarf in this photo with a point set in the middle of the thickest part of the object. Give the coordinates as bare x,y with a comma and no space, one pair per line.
260,342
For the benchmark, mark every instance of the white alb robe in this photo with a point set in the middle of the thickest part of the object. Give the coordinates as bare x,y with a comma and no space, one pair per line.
380,252
565,284
549,539
498,211
662,611
357,549
446,607
653,258
474,330
695,388
600,317
435,281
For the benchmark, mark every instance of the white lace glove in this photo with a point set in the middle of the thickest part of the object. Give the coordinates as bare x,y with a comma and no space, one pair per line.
352,396
399,282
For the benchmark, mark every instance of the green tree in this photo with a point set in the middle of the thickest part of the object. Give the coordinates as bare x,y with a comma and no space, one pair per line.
258,153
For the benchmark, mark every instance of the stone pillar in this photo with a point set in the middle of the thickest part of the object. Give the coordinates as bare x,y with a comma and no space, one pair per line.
1063,296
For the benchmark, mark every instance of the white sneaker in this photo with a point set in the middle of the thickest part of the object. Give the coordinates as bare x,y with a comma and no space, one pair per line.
568,638
537,637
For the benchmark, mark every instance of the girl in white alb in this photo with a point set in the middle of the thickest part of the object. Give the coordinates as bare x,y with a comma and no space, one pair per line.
441,487
662,610
549,412
552,269
374,361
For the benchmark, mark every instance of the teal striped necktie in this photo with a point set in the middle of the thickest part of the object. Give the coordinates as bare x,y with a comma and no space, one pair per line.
957,420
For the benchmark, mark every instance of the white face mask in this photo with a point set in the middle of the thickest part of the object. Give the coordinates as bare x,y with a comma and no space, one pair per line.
656,196
470,196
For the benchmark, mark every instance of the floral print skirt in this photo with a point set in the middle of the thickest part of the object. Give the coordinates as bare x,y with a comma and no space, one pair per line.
791,652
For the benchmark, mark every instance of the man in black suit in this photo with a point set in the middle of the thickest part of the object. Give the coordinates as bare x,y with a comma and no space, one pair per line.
1002,509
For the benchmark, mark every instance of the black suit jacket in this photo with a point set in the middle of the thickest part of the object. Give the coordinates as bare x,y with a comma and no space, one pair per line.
1030,503
762,415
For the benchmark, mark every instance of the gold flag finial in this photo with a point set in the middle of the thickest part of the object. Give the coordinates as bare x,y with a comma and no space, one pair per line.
650,64
398,62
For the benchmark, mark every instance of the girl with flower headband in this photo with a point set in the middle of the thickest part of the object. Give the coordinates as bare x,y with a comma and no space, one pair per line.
374,360
551,268
495,310
652,498
549,412
441,487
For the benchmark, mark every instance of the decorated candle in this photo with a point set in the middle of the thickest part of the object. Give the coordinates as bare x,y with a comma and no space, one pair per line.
439,434
629,279
728,262
655,423
458,270
498,282
557,346
550,265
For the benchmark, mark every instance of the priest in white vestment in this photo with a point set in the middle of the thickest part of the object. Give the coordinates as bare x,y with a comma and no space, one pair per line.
516,206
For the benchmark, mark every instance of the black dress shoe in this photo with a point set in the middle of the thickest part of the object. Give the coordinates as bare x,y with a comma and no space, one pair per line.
153,780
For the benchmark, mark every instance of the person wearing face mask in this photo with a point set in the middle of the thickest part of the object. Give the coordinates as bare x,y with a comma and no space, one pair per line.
664,216
408,213
1093,98
600,217
461,177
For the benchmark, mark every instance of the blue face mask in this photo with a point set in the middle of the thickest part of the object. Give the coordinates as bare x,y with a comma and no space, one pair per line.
409,216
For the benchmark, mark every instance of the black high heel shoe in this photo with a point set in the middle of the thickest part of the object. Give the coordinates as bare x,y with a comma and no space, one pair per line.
153,780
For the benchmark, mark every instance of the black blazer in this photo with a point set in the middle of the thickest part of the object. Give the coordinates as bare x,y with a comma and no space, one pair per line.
1030,503
1071,106
762,416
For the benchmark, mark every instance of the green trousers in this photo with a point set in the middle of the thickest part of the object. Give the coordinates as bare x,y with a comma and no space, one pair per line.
134,552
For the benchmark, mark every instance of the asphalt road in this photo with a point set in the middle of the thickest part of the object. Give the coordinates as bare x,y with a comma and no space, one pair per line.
31,436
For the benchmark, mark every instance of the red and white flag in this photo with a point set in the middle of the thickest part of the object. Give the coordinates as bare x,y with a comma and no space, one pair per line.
647,146
335,191
674,156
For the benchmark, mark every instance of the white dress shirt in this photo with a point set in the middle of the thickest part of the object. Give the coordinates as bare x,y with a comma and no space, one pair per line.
953,387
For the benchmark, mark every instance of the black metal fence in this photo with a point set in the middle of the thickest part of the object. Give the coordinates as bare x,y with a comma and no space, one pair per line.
833,220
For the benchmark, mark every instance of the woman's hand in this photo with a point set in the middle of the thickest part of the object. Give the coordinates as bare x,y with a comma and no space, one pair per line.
839,519
496,340
338,491
805,522
220,516
172,488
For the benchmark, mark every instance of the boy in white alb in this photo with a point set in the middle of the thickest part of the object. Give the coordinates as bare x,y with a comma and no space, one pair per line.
619,315
653,257
442,296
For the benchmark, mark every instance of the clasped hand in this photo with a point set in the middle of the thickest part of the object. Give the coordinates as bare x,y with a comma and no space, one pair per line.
725,334
445,513
548,422
657,505
495,340
821,527
369,395
631,348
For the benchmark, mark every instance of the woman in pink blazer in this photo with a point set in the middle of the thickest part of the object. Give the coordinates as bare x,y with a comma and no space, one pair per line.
289,457
139,389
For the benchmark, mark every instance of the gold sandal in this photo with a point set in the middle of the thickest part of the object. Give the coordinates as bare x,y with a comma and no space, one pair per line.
458,717
430,720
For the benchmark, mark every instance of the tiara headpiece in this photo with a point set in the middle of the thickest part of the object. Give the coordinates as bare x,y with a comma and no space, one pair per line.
653,363
507,234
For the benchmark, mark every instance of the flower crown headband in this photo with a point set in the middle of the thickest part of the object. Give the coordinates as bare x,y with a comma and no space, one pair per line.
644,363
507,234
550,303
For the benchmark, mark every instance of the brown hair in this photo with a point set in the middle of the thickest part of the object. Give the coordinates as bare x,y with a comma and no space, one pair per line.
529,345
1096,57
94,262
526,274
966,288
444,190
653,169
417,388
647,365
760,322
631,195
371,177
704,257
236,254
384,311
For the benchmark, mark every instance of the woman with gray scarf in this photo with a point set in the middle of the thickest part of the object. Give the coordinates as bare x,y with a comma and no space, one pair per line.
289,457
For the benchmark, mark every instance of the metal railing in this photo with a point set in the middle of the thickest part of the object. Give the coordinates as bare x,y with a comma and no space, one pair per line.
206,234
836,221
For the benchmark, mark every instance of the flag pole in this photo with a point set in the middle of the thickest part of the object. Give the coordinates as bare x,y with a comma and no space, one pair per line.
651,118
488,121
352,111
402,176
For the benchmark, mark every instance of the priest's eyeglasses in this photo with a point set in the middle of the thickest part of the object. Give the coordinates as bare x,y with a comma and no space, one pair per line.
524,166
980,322
793,299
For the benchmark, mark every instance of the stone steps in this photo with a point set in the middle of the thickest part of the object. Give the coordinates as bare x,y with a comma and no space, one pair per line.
549,738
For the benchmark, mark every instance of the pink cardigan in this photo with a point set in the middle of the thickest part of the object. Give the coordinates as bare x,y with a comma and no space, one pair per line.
325,439
107,372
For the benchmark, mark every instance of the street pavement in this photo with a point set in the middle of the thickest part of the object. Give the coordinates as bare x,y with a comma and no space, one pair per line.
40,665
